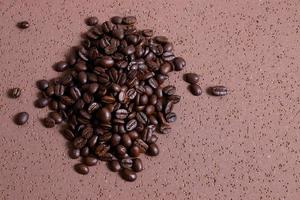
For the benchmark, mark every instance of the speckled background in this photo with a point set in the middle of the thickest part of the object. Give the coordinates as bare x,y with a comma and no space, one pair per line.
243,146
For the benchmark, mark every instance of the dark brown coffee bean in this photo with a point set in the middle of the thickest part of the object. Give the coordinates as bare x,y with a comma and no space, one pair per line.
82,169
128,175
61,66
79,142
93,87
159,105
68,134
153,83
66,100
153,150
129,20
74,153
115,166
115,140
174,98
93,107
169,107
121,150
23,24
131,125
121,114
179,63
15,92
153,99
153,120
143,99
134,151
126,140
153,139
108,26
85,151
191,78
56,116
42,84
142,117
137,165
131,93
171,117
75,93
133,135
115,87
104,115
168,47
21,118
49,122
92,21
129,50
118,33
126,163
141,144
150,109
165,68
169,90
50,90
90,161
106,61
147,133
59,90
116,20
195,89
218,90
107,157
101,150
93,141
87,132
161,39
108,99
159,92
105,137
164,129
147,32
42,102
79,104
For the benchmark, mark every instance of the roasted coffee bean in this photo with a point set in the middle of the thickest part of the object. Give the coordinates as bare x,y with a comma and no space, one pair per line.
153,139
75,93
195,89
147,32
108,26
15,92
143,99
121,151
153,99
131,125
118,33
147,133
159,92
82,169
174,98
90,161
49,122
85,151
79,104
66,100
101,150
141,144
142,117
133,135
165,68
121,114
92,21
129,50
153,83
153,150
115,139
59,90
169,107
126,140
164,128
137,165
53,105
69,135
169,90
93,87
131,93
50,90
23,24
168,47
116,20
56,116
106,61
179,63
42,102
21,118
108,157
159,105
126,163
128,175
79,142
87,132
105,137
93,141
74,153
93,107
150,109
153,120
191,78
42,84
115,166
161,39
218,90
171,117
61,66
104,115
108,99
129,20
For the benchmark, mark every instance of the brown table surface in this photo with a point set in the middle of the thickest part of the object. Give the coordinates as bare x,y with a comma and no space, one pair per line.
242,146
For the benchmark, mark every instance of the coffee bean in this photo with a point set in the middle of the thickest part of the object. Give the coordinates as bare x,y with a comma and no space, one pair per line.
171,117
126,140
161,39
42,84
118,33
128,175
115,139
101,150
191,78
66,101
59,90
153,120
82,169
85,151
153,139
121,151
104,115
147,32
92,21
107,157
116,20
133,135
134,151
131,125
153,83
108,26
61,66
129,50
56,117
142,117
21,118
69,135
218,90
165,68
49,122
23,24
169,90
137,165
93,141
129,20
105,137
106,61
115,166
141,144
147,133
168,47
108,99
79,142
179,63
121,114
90,161
169,107
15,92
42,102
126,163
164,129
153,150
74,153
87,132
174,98
75,93
195,89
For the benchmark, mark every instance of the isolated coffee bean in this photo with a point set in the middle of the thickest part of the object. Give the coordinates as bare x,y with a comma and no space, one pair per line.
23,24
195,89
82,169
116,20
219,90
61,66
42,102
129,20
21,118
191,78
15,92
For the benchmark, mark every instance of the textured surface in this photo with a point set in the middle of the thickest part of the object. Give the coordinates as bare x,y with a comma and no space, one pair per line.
242,146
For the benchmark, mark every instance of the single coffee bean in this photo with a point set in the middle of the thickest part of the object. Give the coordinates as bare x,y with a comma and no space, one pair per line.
79,142
69,135
105,137
131,125
174,98
179,63
61,66
93,141
218,90
147,133
134,151
153,120
153,150
50,90
87,132
75,93
59,90
126,163
74,153
153,83
137,165
147,32
90,161
42,102
171,117
129,175
42,84
107,157
153,139
115,166
191,78
106,61
85,151
101,150
195,89
49,122
115,139
82,169
129,20
165,68
121,151
141,144
116,20
143,99
15,92
21,118
104,115
121,114
168,47
133,135
126,140
169,90
169,107
93,107
56,117
23,24
164,128
142,117
92,21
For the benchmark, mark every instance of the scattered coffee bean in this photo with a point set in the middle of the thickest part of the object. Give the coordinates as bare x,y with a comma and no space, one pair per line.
92,21
179,63
115,166
153,150
195,89
23,24
21,118
82,169
42,102
129,175
15,92
191,78
219,90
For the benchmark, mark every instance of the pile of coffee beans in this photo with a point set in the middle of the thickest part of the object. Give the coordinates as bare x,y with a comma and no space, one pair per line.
111,99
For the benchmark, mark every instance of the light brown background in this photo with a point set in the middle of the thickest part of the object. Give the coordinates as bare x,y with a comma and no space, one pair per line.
242,146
